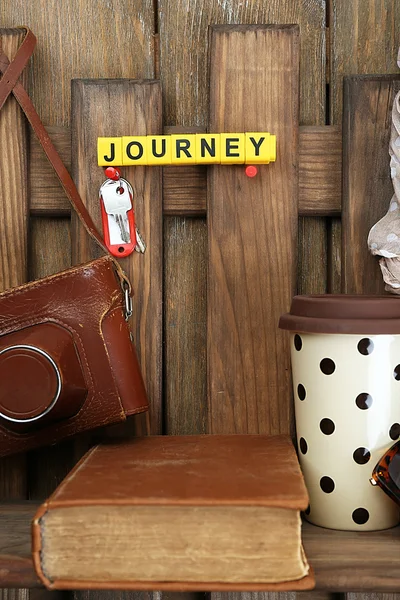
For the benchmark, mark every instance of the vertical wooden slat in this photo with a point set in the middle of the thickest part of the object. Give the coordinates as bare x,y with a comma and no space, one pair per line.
46,469
367,187
13,243
13,227
113,108
365,36
252,265
364,39
185,328
183,64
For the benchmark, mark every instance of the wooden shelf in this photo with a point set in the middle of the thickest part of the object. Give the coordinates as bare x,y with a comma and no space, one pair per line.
354,561
342,560
16,566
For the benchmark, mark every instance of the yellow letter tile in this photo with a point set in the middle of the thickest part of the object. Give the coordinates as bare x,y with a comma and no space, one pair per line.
183,149
109,151
260,148
134,150
208,148
232,148
158,149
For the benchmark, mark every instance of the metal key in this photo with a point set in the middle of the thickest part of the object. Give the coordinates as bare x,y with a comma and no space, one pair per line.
140,244
117,202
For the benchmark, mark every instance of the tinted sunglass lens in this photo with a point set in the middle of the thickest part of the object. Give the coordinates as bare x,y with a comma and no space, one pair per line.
394,470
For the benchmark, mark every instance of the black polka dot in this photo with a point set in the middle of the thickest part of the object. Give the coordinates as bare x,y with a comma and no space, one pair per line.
303,446
301,391
327,484
360,516
394,431
396,373
364,401
298,342
307,511
361,456
327,366
365,346
327,426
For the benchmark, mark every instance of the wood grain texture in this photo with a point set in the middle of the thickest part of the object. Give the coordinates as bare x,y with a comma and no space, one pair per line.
185,326
113,107
320,171
13,228
185,191
342,560
252,266
364,40
312,249
185,188
367,187
47,198
314,595
334,256
16,567
82,38
183,26
183,64
373,596
13,180
47,467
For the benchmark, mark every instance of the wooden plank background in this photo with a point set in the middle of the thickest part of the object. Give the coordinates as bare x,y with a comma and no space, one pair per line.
141,39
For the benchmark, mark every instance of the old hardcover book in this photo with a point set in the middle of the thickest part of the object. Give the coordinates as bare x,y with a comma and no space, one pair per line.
209,512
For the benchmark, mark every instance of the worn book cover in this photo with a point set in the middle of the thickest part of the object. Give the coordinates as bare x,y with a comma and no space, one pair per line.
208,512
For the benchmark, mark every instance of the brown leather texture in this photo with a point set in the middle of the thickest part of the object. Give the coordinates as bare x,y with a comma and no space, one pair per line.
182,470
53,384
192,469
80,301
67,362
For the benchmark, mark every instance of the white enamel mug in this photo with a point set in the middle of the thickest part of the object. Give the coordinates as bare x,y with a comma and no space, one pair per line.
345,353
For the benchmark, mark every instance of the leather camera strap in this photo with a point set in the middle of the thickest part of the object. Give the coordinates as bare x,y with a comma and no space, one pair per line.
9,83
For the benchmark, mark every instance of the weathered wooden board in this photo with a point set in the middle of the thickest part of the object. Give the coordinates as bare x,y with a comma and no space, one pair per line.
185,241
320,171
13,228
372,596
185,188
252,266
82,38
275,596
364,39
47,197
16,566
342,559
111,108
367,187
47,469
183,66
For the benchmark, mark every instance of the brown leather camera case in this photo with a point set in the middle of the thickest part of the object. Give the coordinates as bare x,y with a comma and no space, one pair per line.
67,362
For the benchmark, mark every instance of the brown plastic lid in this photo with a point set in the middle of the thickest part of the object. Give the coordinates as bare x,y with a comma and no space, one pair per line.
339,313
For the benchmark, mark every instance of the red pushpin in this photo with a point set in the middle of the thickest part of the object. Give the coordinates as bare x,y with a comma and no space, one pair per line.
113,173
250,170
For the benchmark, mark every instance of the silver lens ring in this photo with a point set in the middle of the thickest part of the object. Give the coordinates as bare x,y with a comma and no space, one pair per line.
59,384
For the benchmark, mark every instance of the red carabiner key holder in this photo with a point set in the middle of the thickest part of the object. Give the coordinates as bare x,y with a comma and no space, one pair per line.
117,214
